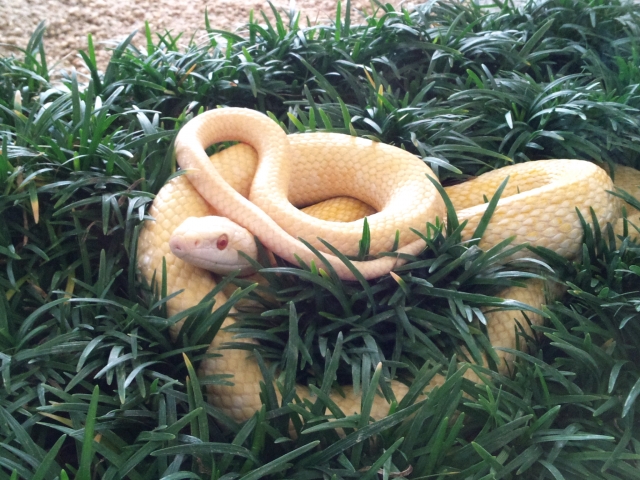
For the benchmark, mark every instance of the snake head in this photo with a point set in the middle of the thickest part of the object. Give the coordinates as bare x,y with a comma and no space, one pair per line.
214,243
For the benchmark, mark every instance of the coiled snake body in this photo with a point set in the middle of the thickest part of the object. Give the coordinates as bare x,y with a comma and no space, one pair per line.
261,187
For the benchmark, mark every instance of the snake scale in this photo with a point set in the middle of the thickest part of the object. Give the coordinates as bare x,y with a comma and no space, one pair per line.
262,183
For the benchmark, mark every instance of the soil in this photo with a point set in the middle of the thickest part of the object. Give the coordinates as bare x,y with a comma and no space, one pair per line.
68,22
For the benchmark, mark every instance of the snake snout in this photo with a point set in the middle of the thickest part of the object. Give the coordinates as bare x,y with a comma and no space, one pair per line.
177,245
181,244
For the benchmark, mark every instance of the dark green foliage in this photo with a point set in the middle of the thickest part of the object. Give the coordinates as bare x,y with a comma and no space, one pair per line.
402,321
92,386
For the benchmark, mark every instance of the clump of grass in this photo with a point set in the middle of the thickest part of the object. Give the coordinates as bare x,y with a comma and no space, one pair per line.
93,388
418,316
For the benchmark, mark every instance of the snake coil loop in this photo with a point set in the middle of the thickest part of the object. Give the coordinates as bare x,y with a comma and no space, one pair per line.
262,187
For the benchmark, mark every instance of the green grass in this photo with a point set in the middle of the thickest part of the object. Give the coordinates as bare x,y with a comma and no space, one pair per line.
92,387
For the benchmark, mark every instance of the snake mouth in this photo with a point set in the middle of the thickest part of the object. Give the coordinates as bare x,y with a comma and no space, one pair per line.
222,268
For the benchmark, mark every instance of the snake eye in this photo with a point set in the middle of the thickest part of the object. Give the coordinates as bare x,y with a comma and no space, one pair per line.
222,242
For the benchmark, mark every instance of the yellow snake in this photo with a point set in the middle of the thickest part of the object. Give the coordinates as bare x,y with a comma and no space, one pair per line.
262,183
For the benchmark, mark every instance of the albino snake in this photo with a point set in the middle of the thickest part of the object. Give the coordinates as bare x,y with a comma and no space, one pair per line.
537,206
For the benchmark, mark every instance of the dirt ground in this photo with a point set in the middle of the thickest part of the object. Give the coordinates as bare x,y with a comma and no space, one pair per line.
109,21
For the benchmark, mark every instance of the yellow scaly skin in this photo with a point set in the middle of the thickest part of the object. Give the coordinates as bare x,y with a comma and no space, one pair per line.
542,213
402,196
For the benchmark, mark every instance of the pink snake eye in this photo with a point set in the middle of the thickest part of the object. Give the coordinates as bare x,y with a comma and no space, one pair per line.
222,242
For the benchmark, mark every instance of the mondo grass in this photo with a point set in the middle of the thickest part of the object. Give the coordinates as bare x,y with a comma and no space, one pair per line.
92,385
